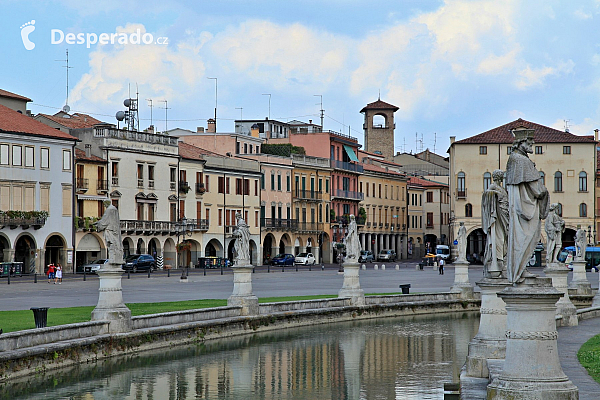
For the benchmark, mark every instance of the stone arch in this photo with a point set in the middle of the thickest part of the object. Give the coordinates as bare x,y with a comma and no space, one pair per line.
168,253
4,248
298,244
128,247
253,252
310,245
568,236
55,249
379,120
285,244
213,248
154,248
25,247
269,247
325,252
190,255
90,247
140,246
230,248
476,240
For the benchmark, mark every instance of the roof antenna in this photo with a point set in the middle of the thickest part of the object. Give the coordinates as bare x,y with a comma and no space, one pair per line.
567,124
66,108
379,95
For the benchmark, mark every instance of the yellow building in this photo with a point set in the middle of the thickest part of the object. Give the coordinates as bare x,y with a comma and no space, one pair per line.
566,162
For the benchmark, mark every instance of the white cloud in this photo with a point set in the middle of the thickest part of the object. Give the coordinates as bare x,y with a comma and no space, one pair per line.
583,128
493,65
580,14
532,77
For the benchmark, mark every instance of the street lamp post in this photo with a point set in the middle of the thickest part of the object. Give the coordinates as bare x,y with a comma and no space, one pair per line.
589,234
340,237
182,230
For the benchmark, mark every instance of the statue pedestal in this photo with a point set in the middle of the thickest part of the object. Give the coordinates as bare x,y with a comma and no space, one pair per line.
531,368
564,306
596,299
579,284
242,290
461,279
110,300
490,341
351,287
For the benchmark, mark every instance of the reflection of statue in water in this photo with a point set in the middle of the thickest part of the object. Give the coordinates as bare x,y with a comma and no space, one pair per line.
110,224
528,202
242,242
554,227
462,242
352,242
494,216
580,245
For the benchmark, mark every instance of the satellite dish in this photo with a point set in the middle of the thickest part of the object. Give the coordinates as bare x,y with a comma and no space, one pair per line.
66,108
120,116
127,102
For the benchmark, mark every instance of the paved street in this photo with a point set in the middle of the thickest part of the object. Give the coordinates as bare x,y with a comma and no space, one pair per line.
22,293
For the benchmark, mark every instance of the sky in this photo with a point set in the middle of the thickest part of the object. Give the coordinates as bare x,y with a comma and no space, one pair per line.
453,67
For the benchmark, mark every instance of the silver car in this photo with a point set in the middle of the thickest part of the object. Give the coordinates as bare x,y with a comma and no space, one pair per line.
386,255
94,266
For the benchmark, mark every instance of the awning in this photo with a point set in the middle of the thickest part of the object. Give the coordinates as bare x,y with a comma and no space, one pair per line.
88,243
350,153
90,197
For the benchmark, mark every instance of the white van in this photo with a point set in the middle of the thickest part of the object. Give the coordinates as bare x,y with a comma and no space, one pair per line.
442,251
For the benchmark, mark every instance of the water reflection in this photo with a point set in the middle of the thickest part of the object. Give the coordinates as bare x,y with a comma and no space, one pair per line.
403,358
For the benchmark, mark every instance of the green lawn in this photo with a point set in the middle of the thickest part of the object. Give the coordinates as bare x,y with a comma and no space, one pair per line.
11,321
589,357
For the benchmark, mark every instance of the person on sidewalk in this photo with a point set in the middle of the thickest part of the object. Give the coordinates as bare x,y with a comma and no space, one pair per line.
58,277
441,268
51,272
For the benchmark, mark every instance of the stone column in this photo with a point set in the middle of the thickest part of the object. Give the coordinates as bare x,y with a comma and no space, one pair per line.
362,241
564,306
242,290
110,305
579,284
368,240
351,287
531,368
461,280
490,341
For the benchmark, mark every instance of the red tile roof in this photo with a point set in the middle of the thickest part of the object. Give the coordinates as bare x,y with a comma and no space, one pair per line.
425,182
377,168
12,121
379,105
80,155
191,152
6,93
543,134
76,121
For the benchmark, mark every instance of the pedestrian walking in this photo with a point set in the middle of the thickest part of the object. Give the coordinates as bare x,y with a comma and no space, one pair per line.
441,268
51,272
59,271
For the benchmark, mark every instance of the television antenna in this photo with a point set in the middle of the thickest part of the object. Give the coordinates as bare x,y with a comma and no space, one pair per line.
66,107
166,107
150,100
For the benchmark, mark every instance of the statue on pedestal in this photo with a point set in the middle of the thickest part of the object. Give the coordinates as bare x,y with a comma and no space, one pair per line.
528,202
555,226
352,241
110,224
580,245
242,242
494,218
462,242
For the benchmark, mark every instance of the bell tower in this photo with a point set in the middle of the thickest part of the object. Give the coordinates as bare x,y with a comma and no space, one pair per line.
379,128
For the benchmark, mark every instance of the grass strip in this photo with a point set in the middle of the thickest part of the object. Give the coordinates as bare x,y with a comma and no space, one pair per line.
589,357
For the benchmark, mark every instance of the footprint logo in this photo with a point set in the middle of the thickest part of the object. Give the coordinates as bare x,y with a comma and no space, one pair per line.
26,29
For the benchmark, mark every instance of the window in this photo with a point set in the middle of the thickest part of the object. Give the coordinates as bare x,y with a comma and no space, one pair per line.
66,160
558,181
221,185
207,216
288,183
430,197
429,220
262,180
29,156
583,210
468,210
559,210
566,149
151,176
380,190
582,181
67,199
367,185
460,185
272,181
247,187
256,187
326,185
279,182
509,150
4,154
173,211
256,219
227,185
237,147
539,150
482,150
220,217
140,175
346,183
487,180
543,178
206,183
385,192
44,198
245,148
238,186
17,153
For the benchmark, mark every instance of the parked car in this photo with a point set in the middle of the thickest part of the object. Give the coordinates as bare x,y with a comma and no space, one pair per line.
305,259
366,256
283,259
139,262
94,266
386,255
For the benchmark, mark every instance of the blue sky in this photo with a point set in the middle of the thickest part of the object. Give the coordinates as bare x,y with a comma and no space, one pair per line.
454,67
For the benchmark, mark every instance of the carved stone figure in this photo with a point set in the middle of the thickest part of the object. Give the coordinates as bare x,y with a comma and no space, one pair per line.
580,245
352,241
528,202
494,218
462,242
110,224
242,242
554,227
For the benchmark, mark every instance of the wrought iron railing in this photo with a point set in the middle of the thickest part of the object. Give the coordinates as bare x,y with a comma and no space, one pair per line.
311,195
278,223
348,194
347,166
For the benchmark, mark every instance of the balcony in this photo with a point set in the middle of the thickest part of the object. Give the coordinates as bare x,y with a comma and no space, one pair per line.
183,187
360,221
85,224
151,184
310,227
461,193
173,186
198,224
277,223
429,226
310,161
140,183
24,219
346,166
102,185
348,194
148,227
308,195
115,181
81,185
200,188
107,131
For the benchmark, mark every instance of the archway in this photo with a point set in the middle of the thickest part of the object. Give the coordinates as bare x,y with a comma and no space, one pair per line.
325,248
4,247
285,244
269,248
88,250
54,250
189,253
25,253
568,237
253,252
154,248
298,246
430,243
169,253
476,246
230,250
213,248
309,245
139,248
127,246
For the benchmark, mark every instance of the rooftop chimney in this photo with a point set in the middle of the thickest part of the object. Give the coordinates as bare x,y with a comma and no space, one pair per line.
310,121
212,126
88,150
200,129
452,139
596,134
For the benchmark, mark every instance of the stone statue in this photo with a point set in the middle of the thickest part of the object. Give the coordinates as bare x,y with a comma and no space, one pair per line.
352,241
494,218
242,242
554,227
580,245
528,202
110,224
462,242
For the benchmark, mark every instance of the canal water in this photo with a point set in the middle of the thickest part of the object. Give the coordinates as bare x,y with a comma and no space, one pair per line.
394,358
